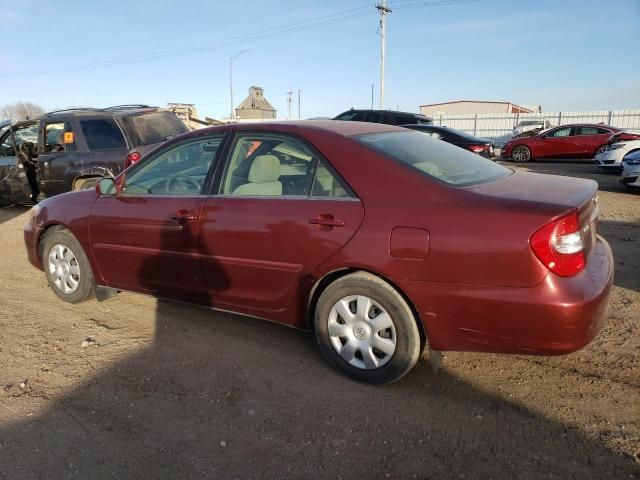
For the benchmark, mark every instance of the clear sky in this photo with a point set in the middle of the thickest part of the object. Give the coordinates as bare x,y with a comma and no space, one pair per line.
561,54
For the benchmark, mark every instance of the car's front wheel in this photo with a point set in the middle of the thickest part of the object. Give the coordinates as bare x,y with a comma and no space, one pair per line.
86,183
66,267
366,329
521,154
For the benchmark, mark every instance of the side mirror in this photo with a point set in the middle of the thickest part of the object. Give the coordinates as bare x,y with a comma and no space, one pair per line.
106,186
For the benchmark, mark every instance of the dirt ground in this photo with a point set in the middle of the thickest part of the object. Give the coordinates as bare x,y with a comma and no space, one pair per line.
175,391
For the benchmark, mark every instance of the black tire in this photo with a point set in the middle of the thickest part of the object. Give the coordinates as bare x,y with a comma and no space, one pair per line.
85,288
408,344
526,154
86,183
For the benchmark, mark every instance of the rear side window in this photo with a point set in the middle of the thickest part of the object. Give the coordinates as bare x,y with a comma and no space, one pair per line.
440,160
156,127
102,134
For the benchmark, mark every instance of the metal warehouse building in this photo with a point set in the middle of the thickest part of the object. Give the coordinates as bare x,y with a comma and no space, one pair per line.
472,106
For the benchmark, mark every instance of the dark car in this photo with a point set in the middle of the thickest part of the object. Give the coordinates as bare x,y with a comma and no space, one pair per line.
379,238
72,149
481,146
577,141
384,116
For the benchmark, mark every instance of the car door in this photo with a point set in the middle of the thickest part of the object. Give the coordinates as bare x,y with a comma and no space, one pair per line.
145,238
14,183
560,142
590,138
279,211
58,153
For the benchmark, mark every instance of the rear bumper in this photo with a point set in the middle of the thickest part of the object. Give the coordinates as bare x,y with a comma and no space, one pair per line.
558,316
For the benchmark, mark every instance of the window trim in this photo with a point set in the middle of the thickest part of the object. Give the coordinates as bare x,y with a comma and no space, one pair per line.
221,169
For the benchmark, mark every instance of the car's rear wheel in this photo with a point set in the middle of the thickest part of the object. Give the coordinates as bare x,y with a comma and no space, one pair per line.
66,267
86,183
521,154
366,330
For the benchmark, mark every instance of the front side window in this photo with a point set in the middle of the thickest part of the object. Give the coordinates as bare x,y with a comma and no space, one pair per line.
102,134
278,166
181,170
54,137
440,160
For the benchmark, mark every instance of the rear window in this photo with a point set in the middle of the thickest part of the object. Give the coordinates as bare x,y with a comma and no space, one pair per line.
440,160
102,134
156,127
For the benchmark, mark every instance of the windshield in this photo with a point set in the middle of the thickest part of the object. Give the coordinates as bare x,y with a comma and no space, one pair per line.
438,159
150,128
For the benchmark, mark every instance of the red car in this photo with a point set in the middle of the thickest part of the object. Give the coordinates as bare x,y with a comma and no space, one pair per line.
380,239
578,141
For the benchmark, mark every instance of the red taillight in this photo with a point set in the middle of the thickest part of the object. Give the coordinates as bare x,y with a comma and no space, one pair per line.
559,245
132,158
477,148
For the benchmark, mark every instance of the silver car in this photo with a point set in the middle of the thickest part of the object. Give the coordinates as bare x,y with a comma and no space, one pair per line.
631,170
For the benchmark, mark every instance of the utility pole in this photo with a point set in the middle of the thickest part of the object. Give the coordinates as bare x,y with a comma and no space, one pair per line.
299,116
384,11
289,94
232,115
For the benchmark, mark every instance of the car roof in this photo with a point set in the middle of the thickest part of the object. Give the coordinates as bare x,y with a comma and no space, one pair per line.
340,127
386,111
119,110
601,125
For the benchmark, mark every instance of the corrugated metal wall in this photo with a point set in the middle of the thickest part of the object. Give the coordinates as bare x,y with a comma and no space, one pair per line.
499,127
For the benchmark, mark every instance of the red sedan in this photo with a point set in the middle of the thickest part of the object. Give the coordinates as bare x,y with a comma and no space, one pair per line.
578,141
380,239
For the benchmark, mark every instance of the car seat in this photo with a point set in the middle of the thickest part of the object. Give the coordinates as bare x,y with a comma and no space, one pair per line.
264,177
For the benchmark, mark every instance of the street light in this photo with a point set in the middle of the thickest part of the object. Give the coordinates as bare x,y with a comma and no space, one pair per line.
231,60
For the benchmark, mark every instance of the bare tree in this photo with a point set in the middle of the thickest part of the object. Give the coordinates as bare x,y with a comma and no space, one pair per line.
20,111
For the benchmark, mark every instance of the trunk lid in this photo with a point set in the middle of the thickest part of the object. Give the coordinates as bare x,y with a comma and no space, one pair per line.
550,196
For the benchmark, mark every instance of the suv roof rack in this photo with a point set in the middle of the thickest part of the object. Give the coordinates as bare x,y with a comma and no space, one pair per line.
78,109
127,107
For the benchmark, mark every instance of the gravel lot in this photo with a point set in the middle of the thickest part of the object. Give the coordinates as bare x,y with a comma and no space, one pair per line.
170,390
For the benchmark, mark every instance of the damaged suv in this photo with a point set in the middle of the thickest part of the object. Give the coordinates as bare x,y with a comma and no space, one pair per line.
73,149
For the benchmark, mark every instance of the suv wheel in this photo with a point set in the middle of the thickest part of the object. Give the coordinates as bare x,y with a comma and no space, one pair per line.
86,183
66,267
366,330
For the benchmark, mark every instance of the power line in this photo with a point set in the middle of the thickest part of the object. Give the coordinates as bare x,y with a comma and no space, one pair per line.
336,17
178,34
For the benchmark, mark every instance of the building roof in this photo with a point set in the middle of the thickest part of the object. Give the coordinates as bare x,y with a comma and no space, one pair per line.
255,101
477,101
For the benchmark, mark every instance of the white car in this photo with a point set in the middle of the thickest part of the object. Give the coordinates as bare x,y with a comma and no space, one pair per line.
530,127
631,170
611,156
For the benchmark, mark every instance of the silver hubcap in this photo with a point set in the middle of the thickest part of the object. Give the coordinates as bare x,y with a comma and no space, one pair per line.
520,154
362,332
64,268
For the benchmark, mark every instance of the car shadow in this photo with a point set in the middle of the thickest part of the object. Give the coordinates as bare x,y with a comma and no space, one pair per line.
624,240
10,212
222,396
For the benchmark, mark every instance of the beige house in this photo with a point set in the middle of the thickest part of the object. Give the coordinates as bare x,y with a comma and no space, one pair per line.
255,107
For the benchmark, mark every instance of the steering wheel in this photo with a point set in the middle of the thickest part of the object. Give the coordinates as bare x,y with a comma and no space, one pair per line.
184,180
